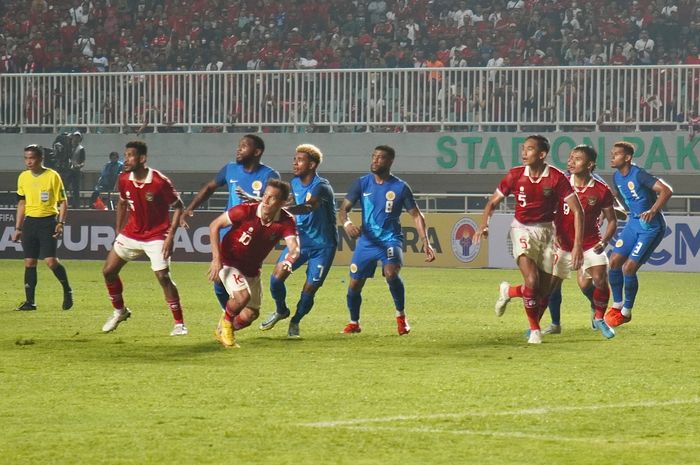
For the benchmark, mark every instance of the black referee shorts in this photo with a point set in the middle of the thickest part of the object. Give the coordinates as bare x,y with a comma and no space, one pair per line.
37,237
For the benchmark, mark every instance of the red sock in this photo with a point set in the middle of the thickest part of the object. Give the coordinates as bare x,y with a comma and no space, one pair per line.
531,309
542,304
230,312
600,301
515,291
239,322
176,309
114,290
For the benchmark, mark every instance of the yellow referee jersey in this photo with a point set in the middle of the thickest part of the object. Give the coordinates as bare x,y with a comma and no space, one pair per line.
41,193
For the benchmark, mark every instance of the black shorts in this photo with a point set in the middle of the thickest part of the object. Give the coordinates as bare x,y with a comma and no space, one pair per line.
37,237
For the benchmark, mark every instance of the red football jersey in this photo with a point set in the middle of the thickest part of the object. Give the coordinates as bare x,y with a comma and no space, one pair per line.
536,198
594,197
249,241
149,205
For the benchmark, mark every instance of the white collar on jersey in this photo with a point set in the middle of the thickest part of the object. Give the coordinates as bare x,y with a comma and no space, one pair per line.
258,213
544,174
148,180
591,183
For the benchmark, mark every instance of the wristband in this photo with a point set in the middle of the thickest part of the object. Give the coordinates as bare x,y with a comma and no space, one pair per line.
61,222
18,228
347,222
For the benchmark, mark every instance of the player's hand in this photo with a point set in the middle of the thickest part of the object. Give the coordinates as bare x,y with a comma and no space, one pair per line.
647,216
286,266
429,253
576,257
168,247
599,248
57,231
214,269
352,230
481,232
245,197
620,213
17,235
183,218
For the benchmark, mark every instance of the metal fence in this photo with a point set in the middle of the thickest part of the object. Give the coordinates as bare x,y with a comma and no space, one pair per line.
426,99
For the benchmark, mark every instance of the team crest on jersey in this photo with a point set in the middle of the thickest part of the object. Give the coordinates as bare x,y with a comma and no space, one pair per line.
547,191
619,242
592,201
630,185
391,195
353,268
257,185
462,238
149,196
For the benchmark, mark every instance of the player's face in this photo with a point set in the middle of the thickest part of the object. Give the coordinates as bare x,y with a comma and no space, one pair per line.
31,160
132,160
381,162
618,158
578,163
246,150
272,201
531,153
302,164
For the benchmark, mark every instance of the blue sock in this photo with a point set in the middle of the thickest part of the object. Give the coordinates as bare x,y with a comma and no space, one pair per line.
555,306
354,302
397,292
588,292
616,282
221,294
306,301
631,288
279,294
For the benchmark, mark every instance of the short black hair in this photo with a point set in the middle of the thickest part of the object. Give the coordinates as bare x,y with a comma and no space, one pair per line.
283,187
542,142
387,149
588,151
258,143
140,146
36,149
626,147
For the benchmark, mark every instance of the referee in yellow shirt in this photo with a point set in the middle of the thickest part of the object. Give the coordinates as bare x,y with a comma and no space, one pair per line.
41,198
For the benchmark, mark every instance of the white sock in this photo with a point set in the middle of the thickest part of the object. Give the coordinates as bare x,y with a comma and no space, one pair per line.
626,312
398,313
617,305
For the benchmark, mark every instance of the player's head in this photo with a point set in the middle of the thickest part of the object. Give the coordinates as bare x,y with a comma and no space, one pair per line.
534,150
382,159
76,137
275,196
250,149
582,159
33,157
113,156
135,155
306,160
621,154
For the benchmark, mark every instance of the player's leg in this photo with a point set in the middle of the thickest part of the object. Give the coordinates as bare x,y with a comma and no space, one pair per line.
161,268
222,296
31,248
530,273
561,270
320,262
647,242
622,249
250,312
236,285
278,290
601,296
391,267
362,266
554,304
354,302
47,246
110,271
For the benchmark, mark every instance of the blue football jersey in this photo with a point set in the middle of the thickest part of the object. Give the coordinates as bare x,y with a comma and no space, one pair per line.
381,206
234,175
317,229
636,188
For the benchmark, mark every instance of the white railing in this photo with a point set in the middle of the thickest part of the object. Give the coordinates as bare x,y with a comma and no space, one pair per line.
556,98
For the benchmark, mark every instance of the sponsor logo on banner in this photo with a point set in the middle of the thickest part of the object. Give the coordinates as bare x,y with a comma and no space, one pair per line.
462,238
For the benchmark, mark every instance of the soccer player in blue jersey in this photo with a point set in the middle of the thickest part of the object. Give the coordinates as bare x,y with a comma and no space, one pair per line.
314,207
645,196
383,196
245,176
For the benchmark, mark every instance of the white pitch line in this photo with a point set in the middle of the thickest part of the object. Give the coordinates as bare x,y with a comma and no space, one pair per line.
530,411
520,435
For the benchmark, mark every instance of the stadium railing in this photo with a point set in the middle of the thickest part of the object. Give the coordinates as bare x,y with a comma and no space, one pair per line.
485,99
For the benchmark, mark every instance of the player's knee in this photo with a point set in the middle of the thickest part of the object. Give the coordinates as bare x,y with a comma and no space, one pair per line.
51,262
630,267
163,277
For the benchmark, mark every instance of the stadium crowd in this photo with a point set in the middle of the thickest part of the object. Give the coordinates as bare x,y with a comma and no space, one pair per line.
138,35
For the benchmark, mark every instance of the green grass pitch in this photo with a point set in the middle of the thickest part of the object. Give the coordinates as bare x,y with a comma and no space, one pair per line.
463,388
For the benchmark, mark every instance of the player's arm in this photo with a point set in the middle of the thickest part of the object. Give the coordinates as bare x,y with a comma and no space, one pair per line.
352,230
179,207
202,196
315,201
122,207
422,229
610,215
62,212
664,192
19,221
577,251
483,230
292,243
219,222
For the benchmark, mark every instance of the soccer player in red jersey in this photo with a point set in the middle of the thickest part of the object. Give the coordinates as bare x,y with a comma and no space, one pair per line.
147,195
237,258
537,188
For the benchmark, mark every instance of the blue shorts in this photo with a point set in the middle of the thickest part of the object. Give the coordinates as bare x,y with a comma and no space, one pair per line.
638,243
319,263
366,255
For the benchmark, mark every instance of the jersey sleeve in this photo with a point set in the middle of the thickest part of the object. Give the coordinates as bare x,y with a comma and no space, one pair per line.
322,191
409,203
645,179
505,187
273,174
120,187
289,227
20,186
563,187
60,189
355,191
236,214
608,199
169,192
220,178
